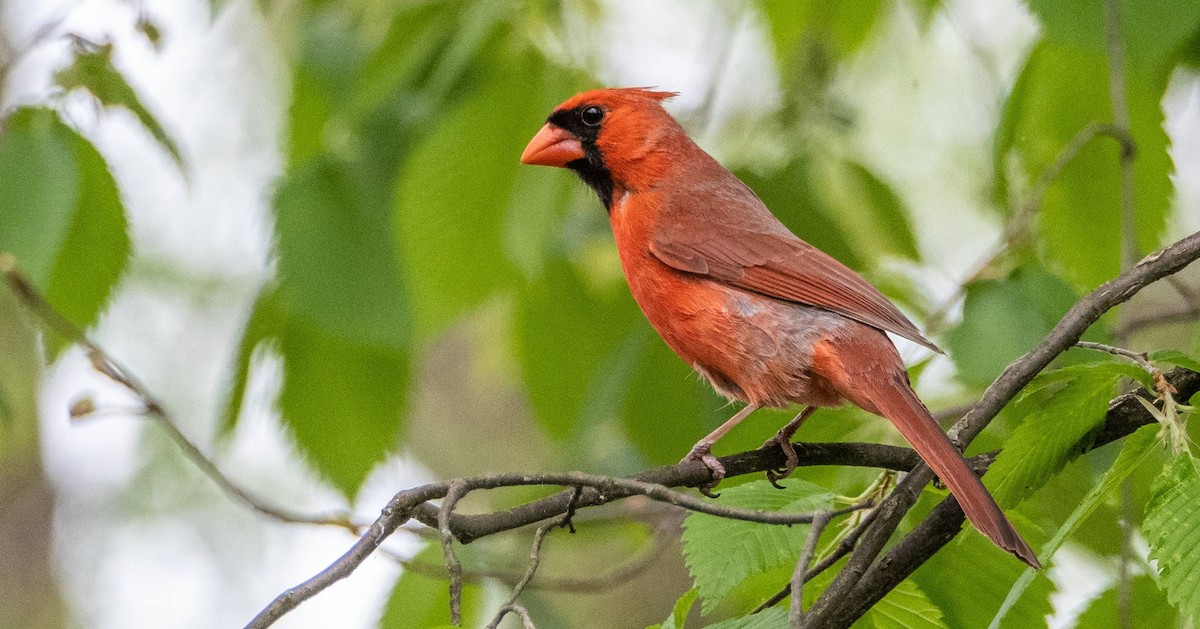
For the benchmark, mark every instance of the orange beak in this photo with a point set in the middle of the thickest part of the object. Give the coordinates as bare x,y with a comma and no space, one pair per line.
552,146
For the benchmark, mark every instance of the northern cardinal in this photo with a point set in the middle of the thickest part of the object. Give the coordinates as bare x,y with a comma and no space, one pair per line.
765,317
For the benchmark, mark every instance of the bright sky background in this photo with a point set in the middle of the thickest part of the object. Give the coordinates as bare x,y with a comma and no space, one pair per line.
142,539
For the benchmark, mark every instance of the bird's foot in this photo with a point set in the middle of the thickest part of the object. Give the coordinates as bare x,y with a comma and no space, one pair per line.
783,442
702,452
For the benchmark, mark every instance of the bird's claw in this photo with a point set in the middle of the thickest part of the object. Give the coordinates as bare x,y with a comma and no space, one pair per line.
789,452
703,452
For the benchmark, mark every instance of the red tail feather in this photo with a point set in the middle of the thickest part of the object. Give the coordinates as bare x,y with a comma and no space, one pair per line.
896,401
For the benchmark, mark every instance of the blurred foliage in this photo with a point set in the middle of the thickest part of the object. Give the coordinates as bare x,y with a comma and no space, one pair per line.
403,220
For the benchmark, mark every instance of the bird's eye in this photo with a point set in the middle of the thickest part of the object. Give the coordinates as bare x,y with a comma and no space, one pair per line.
591,116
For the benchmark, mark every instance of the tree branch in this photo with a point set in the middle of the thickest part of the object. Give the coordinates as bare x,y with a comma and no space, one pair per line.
1125,415
866,579
400,508
1065,333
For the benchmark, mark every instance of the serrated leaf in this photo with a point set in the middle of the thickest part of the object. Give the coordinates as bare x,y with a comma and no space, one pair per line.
1062,90
721,553
774,618
39,190
60,215
1003,319
96,249
1062,410
419,602
1134,451
264,324
343,399
1175,357
343,321
93,71
1171,527
905,607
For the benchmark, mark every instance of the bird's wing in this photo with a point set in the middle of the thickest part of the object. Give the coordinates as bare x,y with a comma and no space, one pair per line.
725,232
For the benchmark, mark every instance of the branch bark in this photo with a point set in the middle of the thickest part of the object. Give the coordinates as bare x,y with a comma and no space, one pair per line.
831,609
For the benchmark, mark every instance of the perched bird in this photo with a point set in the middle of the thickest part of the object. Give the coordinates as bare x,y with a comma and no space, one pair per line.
765,317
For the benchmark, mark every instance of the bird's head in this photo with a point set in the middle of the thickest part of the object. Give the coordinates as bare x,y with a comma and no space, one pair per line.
611,138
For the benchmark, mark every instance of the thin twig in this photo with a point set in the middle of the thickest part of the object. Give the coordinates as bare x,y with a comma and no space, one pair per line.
1155,319
800,574
843,548
1125,415
103,362
535,558
458,489
652,552
404,504
393,515
1141,358
514,608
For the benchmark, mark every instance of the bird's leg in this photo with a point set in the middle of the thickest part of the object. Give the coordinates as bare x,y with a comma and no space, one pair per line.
702,451
783,439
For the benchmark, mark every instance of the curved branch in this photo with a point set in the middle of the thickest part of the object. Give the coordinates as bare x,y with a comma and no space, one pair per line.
468,528
1166,261
400,508
1125,415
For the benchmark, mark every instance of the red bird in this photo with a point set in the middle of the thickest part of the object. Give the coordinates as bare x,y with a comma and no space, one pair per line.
767,318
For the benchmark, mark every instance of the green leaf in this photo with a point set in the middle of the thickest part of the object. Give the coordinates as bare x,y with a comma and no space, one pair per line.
418,601
342,323
1062,90
265,323
774,618
39,190
1171,527
679,613
565,333
93,71
343,399
1062,410
96,250
905,607
336,263
966,601
1003,319
454,192
1135,450
1175,357
1147,604
60,214
1153,31
721,553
